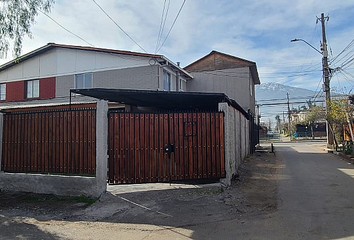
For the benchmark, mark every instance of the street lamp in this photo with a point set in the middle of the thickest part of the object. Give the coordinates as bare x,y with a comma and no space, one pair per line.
325,70
299,39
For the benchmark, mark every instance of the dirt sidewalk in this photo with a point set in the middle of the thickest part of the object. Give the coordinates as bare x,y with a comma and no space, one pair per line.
149,213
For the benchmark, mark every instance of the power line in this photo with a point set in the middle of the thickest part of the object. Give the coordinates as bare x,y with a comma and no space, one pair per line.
119,26
162,24
184,1
275,99
345,49
282,103
65,28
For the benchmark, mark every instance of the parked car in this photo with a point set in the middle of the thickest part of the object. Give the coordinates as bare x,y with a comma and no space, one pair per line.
270,133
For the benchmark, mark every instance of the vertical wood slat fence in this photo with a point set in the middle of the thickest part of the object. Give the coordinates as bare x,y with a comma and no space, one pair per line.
137,141
59,141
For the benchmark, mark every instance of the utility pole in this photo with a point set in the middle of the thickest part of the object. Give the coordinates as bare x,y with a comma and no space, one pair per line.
326,79
287,96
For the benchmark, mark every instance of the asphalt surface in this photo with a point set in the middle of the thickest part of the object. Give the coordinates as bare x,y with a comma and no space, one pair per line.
315,199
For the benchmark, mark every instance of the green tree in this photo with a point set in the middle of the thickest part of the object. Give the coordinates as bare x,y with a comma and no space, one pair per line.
315,114
16,18
340,113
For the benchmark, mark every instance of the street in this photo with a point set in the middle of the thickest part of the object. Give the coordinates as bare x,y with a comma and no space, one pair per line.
300,192
315,198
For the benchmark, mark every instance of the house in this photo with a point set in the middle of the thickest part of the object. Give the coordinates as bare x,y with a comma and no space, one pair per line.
48,73
220,72
201,133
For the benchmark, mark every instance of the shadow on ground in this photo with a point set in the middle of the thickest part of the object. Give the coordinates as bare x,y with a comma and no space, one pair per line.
253,194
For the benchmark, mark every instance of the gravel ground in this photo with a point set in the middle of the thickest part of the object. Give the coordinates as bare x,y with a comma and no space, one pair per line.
153,212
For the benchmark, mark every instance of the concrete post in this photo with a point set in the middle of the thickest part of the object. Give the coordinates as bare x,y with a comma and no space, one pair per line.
101,146
229,160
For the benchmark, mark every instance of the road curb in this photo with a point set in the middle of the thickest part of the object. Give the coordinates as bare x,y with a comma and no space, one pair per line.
345,157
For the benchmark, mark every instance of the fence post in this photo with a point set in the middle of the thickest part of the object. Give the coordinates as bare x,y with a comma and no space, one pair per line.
1,135
229,160
101,146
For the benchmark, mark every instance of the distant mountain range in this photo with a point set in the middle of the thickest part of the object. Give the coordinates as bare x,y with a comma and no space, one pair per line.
272,98
268,91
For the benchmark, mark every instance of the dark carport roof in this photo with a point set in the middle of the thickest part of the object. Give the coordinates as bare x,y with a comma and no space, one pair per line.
161,99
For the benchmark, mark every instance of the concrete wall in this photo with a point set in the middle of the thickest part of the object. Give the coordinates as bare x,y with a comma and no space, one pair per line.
67,185
236,83
236,137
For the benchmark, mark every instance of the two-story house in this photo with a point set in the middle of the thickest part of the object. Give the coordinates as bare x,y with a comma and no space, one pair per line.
47,74
220,72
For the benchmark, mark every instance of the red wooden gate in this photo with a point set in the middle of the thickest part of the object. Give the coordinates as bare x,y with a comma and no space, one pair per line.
52,140
137,142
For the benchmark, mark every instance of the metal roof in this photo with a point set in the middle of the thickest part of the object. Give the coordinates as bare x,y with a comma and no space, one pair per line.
163,100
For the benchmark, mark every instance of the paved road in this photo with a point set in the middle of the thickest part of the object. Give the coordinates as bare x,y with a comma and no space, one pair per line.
316,199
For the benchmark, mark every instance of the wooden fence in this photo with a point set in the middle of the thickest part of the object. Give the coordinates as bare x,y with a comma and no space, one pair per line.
59,141
137,142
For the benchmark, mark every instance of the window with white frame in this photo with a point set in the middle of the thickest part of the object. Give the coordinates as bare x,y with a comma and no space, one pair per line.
83,80
182,85
166,81
32,87
3,91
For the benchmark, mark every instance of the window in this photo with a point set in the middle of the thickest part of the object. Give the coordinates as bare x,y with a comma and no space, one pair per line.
32,89
83,80
166,81
182,85
2,91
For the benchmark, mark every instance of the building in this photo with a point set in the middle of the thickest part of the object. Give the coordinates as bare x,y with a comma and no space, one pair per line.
47,74
201,133
220,72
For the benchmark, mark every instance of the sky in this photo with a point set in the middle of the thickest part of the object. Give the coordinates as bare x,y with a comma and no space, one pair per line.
259,31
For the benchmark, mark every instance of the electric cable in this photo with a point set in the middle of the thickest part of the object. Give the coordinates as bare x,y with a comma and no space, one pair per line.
184,1
119,26
65,28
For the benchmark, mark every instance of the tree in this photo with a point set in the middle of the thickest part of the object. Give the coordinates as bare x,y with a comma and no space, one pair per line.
315,114
16,18
340,113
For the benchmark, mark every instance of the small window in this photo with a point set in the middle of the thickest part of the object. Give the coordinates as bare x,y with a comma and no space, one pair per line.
83,80
3,91
166,81
32,89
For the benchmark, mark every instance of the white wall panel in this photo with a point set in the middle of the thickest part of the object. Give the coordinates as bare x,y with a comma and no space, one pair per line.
48,64
30,68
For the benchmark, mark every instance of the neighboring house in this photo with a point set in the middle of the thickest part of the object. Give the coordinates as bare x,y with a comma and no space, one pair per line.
298,117
48,73
220,72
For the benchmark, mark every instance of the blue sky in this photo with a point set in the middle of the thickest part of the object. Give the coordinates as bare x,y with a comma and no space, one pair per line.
259,31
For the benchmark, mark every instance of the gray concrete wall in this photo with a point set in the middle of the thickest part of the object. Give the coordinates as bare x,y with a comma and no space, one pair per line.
128,78
67,185
236,83
235,140
145,78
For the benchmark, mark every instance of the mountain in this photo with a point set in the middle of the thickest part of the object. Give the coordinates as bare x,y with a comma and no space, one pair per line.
267,91
272,98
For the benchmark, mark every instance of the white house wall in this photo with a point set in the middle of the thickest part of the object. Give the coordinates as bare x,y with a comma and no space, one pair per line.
61,61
